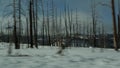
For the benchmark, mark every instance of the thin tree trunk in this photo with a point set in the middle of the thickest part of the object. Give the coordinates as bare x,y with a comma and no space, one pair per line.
94,22
118,22
48,25
31,22
17,46
69,20
36,24
27,32
43,24
20,26
53,20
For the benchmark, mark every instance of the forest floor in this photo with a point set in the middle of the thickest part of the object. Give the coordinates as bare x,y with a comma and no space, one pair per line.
46,57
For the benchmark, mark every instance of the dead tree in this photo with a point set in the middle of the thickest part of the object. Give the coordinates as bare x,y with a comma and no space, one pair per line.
90,34
115,37
87,33
31,22
65,20
118,22
17,45
84,33
48,24
1,29
60,23
20,22
53,19
63,46
43,22
69,21
103,36
77,26
94,22
66,25
114,26
100,37
27,32
73,30
56,27
35,23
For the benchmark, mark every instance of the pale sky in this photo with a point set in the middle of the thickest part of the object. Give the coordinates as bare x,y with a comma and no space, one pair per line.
83,6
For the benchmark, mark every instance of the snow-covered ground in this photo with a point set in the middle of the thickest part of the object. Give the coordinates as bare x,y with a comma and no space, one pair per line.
46,57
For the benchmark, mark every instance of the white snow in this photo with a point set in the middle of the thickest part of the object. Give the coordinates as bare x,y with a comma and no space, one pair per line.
46,57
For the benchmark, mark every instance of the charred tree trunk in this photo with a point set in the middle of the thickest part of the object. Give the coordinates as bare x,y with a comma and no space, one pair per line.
27,32
73,29
66,24
77,31
103,36
118,23
17,46
36,24
43,23
31,22
60,28
48,25
94,22
34,12
69,20
53,20
114,26
20,23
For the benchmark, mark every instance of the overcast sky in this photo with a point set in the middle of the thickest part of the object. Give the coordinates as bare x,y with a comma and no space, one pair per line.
83,6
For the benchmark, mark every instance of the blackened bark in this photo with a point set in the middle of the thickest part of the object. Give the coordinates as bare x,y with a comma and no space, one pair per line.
31,22
114,26
17,46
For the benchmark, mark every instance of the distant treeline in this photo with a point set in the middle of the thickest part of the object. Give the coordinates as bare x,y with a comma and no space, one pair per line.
75,41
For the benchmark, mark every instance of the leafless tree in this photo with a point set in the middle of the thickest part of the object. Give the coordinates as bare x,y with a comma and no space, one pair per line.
118,22
114,26
27,32
43,22
48,24
94,21
35,21
17,45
